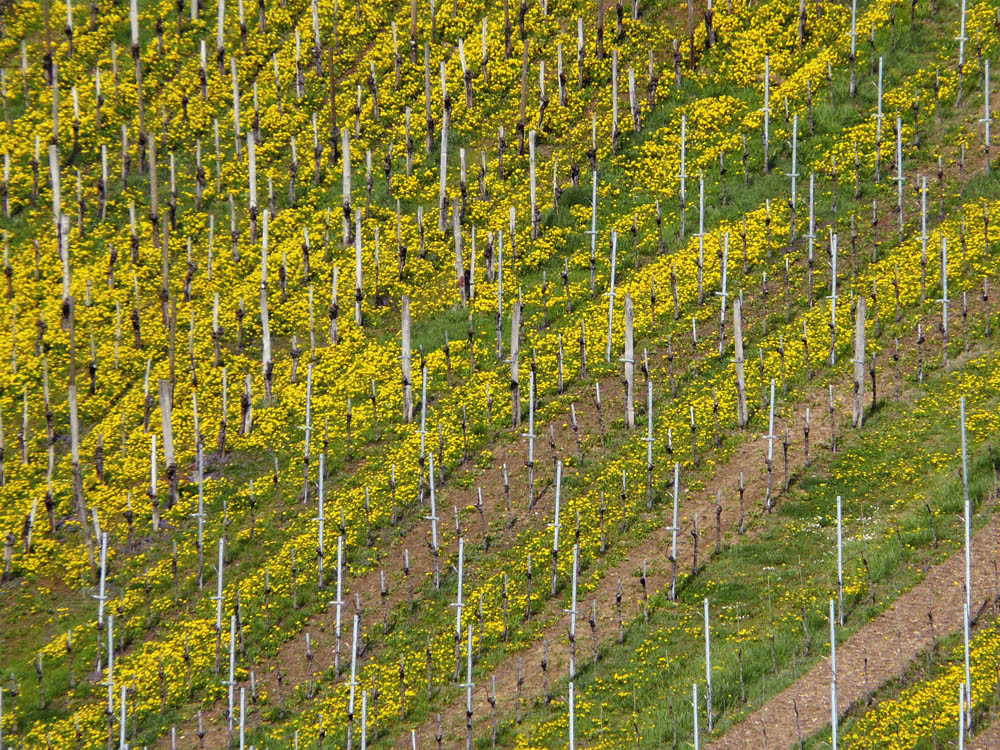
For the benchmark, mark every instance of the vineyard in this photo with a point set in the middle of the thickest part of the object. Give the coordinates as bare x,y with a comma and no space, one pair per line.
474,374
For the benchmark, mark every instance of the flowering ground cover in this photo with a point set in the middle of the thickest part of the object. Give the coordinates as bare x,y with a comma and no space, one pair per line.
341,336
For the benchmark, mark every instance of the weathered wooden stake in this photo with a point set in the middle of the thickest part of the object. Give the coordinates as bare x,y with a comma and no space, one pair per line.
854,47
767,114
741,387
168,439
358,279
961,39
629,360
334,310
515,387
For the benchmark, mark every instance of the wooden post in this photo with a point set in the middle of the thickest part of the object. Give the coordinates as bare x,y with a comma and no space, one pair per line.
81,510
859,363
531,439
237,134
741,387
427,98
523,102
443,164
406,359
767,114
267,364
334,308
246,407
854,47
535,213
962,39
460,272
168,439
515,390
413,32
358,279
62,236
252,167
216,331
